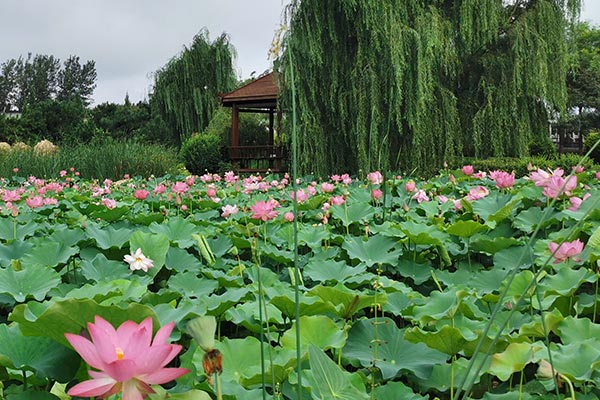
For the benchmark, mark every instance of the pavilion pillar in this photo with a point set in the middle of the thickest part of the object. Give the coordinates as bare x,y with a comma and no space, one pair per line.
235,126
271,129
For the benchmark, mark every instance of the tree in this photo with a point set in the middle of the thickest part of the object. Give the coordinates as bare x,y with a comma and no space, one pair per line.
76,80
185,90
36,79
390,84
583,77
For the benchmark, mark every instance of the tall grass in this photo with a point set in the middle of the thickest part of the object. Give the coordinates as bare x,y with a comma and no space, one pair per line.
98,160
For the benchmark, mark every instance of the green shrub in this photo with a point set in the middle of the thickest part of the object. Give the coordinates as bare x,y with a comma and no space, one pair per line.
202,153
589,141
542,146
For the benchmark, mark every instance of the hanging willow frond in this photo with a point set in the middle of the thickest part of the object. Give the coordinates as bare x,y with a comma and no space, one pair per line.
185,90
405,84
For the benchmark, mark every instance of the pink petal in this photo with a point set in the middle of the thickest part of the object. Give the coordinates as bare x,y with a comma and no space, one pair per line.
163,375
121,370
135,339
92,387
153,359
131,391
86,350
105,340
162,336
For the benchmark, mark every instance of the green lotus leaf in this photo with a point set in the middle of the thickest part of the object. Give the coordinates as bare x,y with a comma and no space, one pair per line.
567,281
32,395
465,228
346,301
217,305
162,394
72,316
153,245
49,253
41,355
14,250
332,271
511,360
527,220
552,320
439,305
572,330
180,260
178,230
357,212
309,305
319,330
12,230
112,292
375,250
448,339
248,315
394,353
418,272
188,284
485,244
108,214
312,237
69,237
108,237
577,360
101,269
419,233
328,380
395,391
32,280
496,207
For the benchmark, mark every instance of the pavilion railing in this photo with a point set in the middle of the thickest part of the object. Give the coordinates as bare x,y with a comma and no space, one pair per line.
258,158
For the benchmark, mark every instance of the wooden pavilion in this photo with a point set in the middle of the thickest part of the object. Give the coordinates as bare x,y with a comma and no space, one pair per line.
258,96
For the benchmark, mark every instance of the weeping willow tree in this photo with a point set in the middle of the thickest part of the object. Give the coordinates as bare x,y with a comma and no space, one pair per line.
185,90
409,84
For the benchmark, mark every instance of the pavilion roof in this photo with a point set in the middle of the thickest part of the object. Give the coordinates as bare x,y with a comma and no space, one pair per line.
261,91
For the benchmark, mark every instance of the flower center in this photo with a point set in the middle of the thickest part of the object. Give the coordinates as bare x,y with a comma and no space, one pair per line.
119,353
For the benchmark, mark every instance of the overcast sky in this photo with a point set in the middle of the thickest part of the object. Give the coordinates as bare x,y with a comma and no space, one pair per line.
131,39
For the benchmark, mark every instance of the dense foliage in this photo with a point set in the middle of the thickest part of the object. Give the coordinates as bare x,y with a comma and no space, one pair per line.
185,90
408,84
410,289
26,81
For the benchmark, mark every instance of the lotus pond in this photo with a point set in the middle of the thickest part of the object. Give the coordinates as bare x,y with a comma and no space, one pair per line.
467,285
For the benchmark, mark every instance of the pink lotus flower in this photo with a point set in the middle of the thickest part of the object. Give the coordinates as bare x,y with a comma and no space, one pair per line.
337,200
230,177
34,202
159,189
598,175
11,195
264,210
229,210
137,260
477,193
410,186
556,186
479,175
62,173
376,194
141,194
327,187
503,179
346,180
211,190
179,187
125,360
301,196
576,201
375,178
288,216
109,203
566,250
578,169
467,170
420,196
